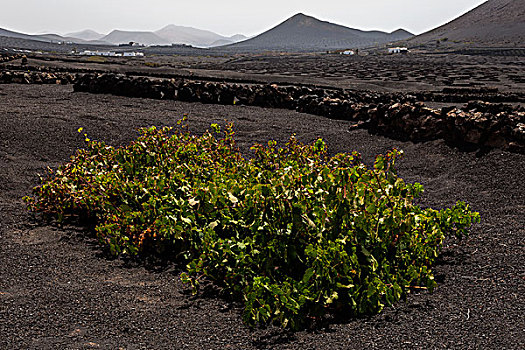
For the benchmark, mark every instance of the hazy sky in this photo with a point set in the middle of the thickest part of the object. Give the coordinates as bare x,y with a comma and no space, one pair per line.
225,17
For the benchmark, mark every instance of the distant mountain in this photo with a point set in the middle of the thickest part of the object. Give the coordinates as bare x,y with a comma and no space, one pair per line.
87,34
495,23
12,34
193,36
221,42
227,41
238,37
400,34
123,37
306,33
37,37
166,36
48,38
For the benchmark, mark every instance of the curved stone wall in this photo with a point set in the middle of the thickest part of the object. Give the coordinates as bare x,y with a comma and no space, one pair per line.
21,77
397,115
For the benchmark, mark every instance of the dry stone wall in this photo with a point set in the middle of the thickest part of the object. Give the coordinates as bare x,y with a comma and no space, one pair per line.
398,115
21,77
9,58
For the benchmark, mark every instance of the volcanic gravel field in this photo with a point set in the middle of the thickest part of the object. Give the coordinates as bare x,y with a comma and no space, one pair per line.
394,71
413,72
58,290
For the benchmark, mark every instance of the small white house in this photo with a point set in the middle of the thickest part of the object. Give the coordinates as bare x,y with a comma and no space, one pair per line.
129,54
111,54
348,52
133,54
393,50
97,53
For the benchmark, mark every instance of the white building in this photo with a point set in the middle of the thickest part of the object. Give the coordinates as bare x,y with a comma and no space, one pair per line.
111,54
133,54
393,50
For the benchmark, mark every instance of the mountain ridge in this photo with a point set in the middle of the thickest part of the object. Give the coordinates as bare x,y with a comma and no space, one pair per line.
87,34
193,36
118,36
495,23
48,38
302,32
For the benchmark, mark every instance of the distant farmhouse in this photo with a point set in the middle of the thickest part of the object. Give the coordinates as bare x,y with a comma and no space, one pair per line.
131,44
110,53
345,52
393,50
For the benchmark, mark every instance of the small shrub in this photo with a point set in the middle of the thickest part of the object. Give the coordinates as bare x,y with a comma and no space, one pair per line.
96,59
152,64
292,232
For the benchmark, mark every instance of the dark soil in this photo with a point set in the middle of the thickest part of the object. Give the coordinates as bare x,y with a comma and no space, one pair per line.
386,72
58,290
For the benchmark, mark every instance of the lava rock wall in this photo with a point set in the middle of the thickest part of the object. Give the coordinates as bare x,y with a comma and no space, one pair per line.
397,115
21,77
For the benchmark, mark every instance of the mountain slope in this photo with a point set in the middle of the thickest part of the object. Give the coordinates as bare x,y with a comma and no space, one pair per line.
493,23
166,36
190,36
221,42
39,37
237,37
306,33
400,34
48,38
123,37
227,41
87,34
11,34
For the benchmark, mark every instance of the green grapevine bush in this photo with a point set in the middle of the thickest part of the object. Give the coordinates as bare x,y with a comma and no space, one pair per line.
293,232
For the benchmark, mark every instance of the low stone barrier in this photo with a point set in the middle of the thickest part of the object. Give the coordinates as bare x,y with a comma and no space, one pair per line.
482,124
21,77
396,115
9,58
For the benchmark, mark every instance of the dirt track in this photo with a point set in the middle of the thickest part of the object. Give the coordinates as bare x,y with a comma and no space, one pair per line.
57,289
